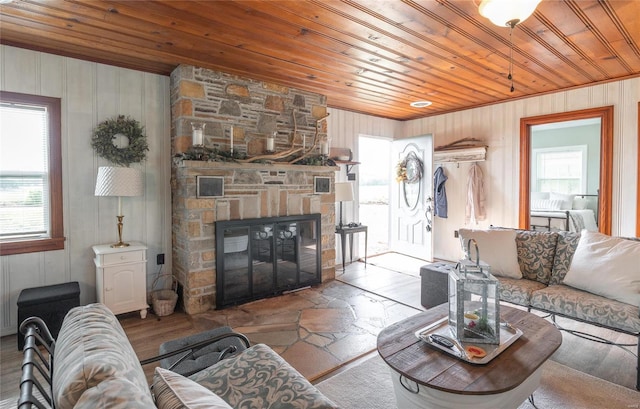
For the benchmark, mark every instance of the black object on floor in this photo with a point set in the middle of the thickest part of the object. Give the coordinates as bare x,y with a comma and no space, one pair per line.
51,303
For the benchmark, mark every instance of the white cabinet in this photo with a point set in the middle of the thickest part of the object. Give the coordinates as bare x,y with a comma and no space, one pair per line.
121,277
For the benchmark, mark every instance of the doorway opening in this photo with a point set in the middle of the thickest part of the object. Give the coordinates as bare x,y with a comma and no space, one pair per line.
374,186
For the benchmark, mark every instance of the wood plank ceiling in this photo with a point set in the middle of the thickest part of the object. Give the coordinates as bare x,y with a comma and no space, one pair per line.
370,56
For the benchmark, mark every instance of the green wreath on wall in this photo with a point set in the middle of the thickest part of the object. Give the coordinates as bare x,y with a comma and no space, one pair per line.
120,140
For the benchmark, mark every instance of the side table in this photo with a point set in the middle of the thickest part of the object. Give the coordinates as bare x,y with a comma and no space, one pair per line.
121,277
349,231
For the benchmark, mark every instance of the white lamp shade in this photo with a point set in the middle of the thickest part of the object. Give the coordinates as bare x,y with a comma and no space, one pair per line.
344,191
118,181
500,12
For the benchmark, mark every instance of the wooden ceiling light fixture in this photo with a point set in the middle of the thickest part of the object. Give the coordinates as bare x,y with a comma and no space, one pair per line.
508,13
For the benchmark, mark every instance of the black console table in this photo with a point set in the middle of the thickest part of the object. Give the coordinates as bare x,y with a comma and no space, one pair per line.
348,230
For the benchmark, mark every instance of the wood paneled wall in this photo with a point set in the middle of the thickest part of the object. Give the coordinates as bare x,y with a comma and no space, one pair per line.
498,125
90,94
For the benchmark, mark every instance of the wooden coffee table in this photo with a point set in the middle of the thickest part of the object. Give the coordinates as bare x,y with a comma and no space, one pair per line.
426,377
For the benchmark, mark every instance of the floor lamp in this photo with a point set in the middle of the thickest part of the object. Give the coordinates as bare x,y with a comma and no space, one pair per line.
344,193
119,181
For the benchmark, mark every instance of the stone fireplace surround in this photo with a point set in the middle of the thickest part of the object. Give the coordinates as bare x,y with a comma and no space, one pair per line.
248,111
250,191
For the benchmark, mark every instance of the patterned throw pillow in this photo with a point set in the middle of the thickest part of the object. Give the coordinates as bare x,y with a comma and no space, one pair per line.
567,244
536,251
174,391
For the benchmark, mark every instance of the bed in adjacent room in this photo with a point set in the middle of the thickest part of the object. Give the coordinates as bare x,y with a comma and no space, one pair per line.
558,211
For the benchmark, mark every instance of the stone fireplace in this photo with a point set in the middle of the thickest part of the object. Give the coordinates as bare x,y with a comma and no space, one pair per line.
251,110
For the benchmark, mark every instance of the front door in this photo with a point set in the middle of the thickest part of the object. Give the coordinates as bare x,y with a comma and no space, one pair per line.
412,197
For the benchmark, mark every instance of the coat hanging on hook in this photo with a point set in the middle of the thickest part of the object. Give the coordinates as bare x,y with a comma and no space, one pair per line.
475,209
440,193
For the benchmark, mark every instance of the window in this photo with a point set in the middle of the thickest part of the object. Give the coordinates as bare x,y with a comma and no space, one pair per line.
30,174
562,169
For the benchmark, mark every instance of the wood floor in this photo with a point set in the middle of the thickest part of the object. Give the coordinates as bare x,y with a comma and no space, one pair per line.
603,361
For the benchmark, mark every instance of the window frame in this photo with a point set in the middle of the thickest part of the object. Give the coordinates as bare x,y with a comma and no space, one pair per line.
535,169
56,226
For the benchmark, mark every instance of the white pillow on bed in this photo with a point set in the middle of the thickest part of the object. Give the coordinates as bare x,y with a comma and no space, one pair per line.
546,204
497,248
539,195
607,266
580,203
567,200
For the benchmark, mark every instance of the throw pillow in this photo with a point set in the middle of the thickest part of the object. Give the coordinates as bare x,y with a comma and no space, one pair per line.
536,251
497,249
567,200
174,391
546,204
606,266
539,195
580,203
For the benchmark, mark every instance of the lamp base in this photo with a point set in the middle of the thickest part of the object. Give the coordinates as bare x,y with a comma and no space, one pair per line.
120,243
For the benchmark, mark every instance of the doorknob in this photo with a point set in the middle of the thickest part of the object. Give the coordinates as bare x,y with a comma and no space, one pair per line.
427,214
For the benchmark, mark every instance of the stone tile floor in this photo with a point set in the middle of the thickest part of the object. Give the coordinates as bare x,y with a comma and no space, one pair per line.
316,330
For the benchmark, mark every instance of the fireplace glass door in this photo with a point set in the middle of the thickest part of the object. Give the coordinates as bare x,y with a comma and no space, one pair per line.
259,258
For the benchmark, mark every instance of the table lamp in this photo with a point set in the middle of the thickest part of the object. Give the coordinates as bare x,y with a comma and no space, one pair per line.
119,181
344,193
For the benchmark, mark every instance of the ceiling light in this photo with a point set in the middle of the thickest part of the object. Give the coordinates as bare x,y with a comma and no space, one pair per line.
420,104
507,12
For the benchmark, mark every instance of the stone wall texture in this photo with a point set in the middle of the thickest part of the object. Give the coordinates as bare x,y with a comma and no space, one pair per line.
254,109
250,109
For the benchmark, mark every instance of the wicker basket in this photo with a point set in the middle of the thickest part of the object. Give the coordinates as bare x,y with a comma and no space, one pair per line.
164,301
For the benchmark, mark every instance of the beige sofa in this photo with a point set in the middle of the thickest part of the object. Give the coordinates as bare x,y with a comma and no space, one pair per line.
95,366
533,273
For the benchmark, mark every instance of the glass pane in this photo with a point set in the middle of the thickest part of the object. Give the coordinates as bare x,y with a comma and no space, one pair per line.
287,254
308,251
24,193
262,260
236,263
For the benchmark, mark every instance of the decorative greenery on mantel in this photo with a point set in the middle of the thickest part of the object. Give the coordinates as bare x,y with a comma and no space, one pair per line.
202,153
296,154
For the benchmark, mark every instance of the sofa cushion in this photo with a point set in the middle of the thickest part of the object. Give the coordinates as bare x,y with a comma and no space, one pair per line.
536,251
588,307
567,243
260,378
174,391
517,291
91,348
497,248
607,266
115,393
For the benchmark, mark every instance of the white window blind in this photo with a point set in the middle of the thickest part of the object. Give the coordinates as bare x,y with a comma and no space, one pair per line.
24,179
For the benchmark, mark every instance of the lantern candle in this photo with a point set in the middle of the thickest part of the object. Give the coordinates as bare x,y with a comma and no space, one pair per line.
324,148
197,135
271,143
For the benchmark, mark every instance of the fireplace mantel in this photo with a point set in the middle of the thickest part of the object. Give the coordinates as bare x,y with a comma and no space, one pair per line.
275,166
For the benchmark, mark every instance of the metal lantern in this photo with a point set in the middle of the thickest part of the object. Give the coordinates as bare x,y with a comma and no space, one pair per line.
474,308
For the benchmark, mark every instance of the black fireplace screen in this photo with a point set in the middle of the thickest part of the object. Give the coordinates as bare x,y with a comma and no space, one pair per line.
259,258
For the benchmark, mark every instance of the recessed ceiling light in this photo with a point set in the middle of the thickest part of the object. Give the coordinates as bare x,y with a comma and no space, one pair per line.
421,104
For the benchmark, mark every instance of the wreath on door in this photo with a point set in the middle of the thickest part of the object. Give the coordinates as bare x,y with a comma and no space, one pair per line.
409,169
120,140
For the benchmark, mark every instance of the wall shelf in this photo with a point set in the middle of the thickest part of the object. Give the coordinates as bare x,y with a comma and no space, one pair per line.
460,155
